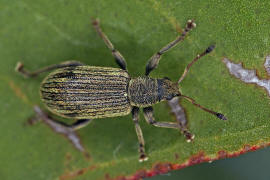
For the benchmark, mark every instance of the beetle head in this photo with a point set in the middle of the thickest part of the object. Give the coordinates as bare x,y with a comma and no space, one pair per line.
168,89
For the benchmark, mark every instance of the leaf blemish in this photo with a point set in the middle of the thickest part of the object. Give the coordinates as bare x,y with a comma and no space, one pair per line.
176,155
76,173
73,174
249,76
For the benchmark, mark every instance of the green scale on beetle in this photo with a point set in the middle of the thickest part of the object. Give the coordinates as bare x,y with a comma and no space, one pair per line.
75,90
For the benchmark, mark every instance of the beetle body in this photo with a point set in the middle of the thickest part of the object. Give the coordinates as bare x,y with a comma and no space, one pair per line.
82,92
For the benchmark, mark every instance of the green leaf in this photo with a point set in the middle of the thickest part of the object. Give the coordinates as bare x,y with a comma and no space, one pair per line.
41,33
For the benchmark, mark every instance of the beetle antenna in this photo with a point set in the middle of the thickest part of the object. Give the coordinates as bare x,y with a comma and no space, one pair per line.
208,50
218,115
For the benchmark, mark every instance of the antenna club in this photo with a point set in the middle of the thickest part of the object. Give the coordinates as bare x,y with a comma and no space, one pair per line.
210,49
221,116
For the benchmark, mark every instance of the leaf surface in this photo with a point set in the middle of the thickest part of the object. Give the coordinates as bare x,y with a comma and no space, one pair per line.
41,33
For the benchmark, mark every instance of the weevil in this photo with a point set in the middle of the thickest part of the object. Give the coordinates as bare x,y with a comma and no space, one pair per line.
75,90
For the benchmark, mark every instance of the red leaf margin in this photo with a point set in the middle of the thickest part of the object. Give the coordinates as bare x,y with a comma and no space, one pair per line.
165,167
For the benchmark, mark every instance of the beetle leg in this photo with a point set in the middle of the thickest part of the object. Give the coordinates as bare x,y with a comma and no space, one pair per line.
20,68
135,118
120,60
154,60
148,115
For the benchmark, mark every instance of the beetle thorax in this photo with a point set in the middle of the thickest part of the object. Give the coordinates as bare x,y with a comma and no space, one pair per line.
146,91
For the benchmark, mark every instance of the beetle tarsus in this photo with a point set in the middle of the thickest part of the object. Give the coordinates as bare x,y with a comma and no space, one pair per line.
189,136
143,158
191,24
20,69
221,116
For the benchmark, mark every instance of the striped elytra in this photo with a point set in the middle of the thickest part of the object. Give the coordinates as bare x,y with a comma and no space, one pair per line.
86,92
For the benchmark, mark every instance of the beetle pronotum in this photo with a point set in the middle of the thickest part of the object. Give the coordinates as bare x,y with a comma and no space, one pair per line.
75,90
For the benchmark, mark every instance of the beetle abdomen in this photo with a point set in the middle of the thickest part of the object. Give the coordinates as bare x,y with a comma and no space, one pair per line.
86,92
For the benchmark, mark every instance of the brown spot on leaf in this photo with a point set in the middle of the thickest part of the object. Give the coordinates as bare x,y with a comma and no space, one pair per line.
70,175
67,161
31,121
79,172
247,147
197,158
162,168
222,154
107,176
176,156
87,155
